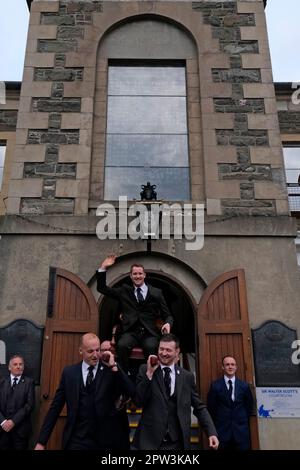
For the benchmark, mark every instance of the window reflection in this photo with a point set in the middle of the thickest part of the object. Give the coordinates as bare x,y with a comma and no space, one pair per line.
147,150
292,171
157,81
140,114
171,183
2,159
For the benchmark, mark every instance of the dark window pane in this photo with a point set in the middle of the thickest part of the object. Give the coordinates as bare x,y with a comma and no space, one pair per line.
145,114
171,183
146,150
157,81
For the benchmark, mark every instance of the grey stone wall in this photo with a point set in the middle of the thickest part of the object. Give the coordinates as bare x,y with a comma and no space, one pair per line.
225,23
70,19
66,35
289,122
8,119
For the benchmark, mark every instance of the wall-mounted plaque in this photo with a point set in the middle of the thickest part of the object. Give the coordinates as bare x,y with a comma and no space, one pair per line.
25,338
272,348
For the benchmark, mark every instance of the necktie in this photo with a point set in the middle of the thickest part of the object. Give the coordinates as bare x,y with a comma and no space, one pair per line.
139,295
90,376
14,383
167,380
230,388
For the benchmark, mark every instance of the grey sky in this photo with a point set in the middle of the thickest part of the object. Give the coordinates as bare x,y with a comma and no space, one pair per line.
283,27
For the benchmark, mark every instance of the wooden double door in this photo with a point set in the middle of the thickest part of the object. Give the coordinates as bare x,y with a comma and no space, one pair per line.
221,326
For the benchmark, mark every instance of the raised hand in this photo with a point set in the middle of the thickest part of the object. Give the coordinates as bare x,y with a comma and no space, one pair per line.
152,365
109,261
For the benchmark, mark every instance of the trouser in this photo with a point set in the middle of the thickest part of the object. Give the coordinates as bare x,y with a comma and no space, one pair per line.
131,339
12,441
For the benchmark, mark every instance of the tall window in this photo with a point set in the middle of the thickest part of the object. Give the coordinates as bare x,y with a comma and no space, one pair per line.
2,159
292,170
147,130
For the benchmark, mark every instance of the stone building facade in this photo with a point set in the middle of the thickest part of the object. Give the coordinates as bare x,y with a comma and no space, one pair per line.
55,175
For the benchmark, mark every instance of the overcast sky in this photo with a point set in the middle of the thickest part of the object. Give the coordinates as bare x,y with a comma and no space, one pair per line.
283,19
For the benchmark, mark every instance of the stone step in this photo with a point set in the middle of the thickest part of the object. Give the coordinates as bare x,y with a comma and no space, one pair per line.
135,415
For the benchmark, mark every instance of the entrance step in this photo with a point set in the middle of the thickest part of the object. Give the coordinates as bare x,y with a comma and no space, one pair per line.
134,416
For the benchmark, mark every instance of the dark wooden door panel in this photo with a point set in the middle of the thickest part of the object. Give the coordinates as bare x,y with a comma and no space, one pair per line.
223,328
73,311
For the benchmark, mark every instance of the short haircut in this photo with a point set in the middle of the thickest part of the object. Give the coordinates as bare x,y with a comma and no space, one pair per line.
16,355
169,338
228,355
87,336
136,265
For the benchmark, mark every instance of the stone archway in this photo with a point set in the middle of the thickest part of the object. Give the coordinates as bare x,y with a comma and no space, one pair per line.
182,289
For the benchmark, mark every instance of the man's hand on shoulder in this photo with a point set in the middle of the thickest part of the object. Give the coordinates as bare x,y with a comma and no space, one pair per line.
109,261
165,329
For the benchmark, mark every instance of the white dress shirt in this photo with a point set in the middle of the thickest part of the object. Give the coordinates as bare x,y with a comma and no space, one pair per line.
144,291
85,370
233,384
12,379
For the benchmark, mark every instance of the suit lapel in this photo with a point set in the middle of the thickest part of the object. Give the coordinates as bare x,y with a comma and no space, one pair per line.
7,385
78,380
99,375
20,384
178,384
132,295
149,293
236,389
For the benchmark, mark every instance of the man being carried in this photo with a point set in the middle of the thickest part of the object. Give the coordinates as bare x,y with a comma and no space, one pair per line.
141,305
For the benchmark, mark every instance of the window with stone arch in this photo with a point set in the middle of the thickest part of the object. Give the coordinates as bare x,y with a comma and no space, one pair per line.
147,82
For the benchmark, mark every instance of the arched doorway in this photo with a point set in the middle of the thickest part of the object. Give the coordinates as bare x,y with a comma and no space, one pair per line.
177,300
221,322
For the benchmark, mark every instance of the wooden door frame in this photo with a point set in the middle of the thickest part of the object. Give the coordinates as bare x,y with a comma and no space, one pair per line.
56,323
238,326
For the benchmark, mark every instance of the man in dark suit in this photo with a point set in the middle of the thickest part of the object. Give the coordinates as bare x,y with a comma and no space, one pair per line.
89,389
17,399
118,421
167,392
141,306
230,404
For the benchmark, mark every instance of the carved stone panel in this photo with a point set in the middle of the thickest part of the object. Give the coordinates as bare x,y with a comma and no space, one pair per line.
24,338
272,348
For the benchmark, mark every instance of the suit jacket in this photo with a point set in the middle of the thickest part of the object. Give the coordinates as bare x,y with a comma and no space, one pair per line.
147,312
22,404
108,386
231,417
151,395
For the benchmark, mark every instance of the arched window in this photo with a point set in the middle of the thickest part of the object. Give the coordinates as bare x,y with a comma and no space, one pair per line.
141,125
146,138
